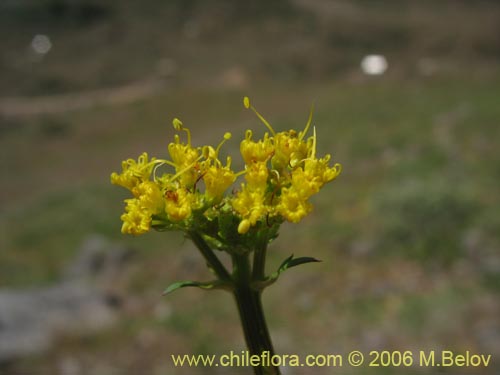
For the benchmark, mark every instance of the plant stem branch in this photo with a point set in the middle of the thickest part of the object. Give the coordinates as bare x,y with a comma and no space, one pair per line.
210,257
248,300
252,317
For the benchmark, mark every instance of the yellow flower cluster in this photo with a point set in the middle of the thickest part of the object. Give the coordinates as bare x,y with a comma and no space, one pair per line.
281,174
173,196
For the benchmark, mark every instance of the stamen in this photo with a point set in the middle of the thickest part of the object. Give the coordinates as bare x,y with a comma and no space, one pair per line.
211,153
246,103
178,174
205,151
338,168
159,163
227,136
241,173
188,135
313,155
179,126
309,121
142,158
154,171
163,161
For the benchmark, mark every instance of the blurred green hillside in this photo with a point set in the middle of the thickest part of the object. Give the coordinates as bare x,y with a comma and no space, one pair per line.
408,234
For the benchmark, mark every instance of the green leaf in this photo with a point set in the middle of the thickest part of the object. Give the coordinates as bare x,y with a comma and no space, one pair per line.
215,284
286,264
298,261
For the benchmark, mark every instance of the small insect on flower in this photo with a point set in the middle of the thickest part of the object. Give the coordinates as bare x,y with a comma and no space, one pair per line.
171,196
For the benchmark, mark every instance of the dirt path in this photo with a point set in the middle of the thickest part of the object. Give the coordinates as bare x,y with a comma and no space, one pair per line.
33,106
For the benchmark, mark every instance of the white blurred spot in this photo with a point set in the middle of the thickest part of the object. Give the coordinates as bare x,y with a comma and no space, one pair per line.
41,44
374,64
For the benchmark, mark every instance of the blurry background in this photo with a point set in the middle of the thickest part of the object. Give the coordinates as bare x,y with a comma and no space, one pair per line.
407,98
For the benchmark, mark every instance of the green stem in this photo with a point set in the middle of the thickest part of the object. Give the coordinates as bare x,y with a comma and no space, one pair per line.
259,260
210,257
247,299
252,317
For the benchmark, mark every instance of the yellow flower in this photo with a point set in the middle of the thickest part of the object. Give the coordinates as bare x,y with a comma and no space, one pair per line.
249,204
217,179
290,150
133,172
150,197
319,170
256,175
292,206
281,173
135,219
303,184
184,156
254,152
178,205
295,175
